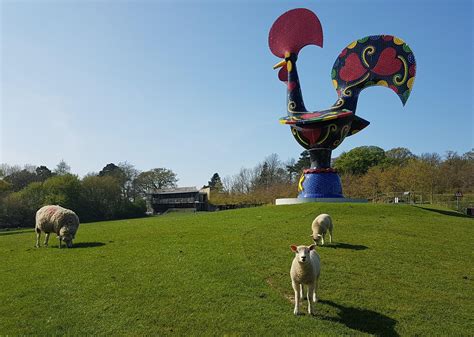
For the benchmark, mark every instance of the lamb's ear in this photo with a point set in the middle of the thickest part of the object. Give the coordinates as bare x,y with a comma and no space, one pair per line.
293,248
312,247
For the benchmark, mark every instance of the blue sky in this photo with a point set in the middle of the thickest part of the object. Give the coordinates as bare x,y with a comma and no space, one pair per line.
189,85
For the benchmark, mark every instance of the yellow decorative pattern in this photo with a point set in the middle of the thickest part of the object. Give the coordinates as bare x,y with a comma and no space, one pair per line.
300,183
289,66
410,82
352,45
334,83
348,92
383,83
331,127
291,106
296,134
369,51
398,41
339,103
396,78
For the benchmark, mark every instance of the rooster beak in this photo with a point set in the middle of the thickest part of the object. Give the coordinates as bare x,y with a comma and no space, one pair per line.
279,64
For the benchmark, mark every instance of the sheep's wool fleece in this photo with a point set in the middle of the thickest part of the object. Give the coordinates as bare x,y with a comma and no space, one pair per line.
306,273
52,218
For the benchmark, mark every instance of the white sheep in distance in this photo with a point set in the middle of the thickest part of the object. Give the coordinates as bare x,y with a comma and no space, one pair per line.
321,225
59,220
305,271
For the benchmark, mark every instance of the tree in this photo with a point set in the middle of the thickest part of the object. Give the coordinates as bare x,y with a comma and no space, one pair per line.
6,170
63,190
304,162
398,156
43,173
215,183
359,160
112,170
20,179
155,179
129,174
62,168
100,197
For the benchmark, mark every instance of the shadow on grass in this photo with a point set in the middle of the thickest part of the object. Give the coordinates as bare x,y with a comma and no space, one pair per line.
342,245
445,212
88,244
15,231
362,320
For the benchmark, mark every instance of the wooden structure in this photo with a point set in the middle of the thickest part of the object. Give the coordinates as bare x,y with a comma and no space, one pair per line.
180,198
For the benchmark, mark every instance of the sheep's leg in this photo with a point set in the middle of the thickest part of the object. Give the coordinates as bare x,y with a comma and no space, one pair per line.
330,235
60,242
322,239
314,294
297,289
38,234
46,239
311,301
302,296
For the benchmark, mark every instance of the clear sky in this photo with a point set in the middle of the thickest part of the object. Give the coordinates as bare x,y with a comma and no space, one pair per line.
189,85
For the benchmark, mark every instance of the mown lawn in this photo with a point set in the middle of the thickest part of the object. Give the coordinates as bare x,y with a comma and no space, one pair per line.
394,270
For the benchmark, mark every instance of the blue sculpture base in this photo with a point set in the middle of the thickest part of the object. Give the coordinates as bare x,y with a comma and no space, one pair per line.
320,185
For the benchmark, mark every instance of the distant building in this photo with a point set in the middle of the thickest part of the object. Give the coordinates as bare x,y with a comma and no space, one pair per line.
180,198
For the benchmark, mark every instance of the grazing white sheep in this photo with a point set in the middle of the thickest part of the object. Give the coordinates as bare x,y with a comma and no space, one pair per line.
59,220
305,270
320,226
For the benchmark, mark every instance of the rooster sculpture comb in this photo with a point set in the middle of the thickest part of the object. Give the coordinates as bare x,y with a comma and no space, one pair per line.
383,60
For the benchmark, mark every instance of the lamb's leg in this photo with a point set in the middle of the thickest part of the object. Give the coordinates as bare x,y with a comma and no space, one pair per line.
322,239
302,296
38,234
315,297
311,301
46,239
330,235
60,242
297,289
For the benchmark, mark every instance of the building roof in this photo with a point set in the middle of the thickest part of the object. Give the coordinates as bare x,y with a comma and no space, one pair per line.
176,190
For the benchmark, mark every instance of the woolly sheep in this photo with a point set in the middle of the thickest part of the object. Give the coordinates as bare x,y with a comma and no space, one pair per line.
320,226
305,270
54,218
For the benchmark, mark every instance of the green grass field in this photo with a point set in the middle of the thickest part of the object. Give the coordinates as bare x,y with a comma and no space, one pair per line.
393,270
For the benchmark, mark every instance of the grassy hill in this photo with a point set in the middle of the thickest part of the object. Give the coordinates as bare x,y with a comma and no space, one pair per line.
394,270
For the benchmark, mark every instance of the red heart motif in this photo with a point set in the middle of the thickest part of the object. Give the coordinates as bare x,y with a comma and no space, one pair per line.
291,85
352,69
387,63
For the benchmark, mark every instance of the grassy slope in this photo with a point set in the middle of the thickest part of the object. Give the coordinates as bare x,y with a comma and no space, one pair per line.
394,270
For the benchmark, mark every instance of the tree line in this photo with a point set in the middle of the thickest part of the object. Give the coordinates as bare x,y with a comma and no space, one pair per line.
367,172
116,192
119,191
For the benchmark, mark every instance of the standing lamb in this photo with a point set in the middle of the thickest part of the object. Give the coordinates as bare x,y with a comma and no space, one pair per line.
320,226
305,270
54,218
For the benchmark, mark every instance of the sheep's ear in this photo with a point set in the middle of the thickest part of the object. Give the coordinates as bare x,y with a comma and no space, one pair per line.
312,247
293,248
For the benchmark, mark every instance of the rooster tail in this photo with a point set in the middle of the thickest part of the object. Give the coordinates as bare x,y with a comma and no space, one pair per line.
382,60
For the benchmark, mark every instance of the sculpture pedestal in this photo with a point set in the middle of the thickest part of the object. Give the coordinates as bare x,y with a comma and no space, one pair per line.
293,201
320,183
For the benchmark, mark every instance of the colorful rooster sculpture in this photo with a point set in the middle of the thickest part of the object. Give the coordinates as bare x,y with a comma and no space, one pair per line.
382,60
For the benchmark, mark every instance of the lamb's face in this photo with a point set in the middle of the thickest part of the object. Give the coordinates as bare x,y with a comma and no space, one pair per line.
302,252
317,239
66,236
